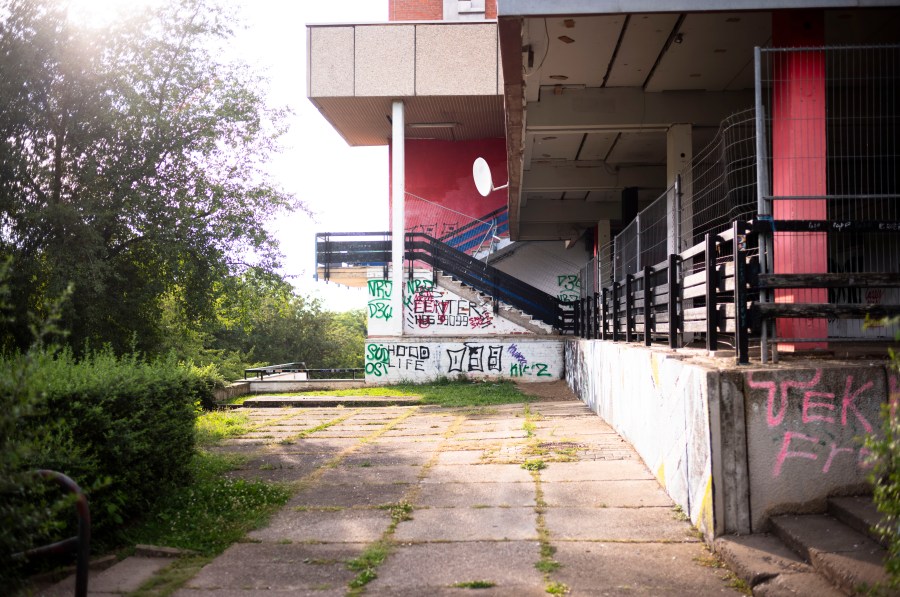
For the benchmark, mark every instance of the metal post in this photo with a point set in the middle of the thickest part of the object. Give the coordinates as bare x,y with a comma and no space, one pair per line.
603,311
712,282
648,305
629,306
677,213
576,316
741,340
763,204
673,301
615,310
596,311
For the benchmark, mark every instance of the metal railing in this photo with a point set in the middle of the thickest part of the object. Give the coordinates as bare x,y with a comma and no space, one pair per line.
80,544
342,249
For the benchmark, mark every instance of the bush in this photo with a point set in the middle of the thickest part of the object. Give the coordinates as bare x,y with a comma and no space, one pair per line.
885,479
122,428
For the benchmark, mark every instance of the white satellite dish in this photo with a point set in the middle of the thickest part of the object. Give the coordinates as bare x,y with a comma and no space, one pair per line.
481,172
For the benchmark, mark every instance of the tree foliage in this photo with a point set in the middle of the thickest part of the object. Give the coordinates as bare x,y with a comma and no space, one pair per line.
131,163
261,319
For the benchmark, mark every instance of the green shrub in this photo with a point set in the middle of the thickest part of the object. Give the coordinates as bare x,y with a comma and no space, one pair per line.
885,476
123,428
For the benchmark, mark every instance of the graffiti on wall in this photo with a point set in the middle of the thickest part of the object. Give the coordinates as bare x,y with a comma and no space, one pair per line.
427,307
422,360
569,287
522,368
401,357
435,229
814,421
380,299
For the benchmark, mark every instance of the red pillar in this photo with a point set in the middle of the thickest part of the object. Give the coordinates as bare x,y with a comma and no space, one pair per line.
798,163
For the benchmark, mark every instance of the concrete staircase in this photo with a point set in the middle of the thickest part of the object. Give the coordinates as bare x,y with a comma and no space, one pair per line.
813,554
517,316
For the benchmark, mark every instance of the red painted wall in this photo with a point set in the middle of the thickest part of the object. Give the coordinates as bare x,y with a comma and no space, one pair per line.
798,162
428,10
441,173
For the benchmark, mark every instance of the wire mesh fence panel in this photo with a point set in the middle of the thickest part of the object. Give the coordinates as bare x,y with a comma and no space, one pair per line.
719,187
478,234
654,231
627,251
833,121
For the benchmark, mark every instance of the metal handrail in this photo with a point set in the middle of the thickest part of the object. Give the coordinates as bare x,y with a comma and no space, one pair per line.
81,543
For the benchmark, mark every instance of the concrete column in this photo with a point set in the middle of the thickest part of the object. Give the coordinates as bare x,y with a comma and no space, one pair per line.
679,153
799,163
398,215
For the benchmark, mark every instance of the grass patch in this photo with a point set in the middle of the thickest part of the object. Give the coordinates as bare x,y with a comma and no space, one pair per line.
475,584
557,588
214,426
171,578
534,464
210,513
367,563
442,392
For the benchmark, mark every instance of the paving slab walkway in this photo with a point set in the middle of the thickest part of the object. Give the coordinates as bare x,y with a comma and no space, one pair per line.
444,489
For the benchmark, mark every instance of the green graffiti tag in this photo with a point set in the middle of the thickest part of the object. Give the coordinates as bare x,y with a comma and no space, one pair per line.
380,299
534,369
376,360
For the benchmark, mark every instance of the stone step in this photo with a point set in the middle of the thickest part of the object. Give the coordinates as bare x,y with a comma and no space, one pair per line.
859,513
847,558
121,578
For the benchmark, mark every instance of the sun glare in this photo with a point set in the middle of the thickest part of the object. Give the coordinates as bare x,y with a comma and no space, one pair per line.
100,13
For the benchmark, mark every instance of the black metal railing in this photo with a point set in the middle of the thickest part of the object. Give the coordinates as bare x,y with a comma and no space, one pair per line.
80,544
332,250
722,297
484,278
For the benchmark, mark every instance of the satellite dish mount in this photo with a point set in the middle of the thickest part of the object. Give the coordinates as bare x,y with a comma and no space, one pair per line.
481,172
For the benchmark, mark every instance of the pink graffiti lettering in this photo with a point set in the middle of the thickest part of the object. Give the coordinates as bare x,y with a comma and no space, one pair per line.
849,402
808,405
834,452
785,452
773,419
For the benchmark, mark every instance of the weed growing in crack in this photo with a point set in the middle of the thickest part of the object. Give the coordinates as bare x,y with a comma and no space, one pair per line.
474,584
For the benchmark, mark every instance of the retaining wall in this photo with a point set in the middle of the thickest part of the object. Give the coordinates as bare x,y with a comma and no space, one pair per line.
418,359
735,446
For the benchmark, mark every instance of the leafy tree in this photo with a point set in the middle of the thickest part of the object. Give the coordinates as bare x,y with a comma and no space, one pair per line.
261,319
131,163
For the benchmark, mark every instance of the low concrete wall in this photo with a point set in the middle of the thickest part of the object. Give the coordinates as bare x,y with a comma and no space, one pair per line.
660,406
238,388
735,446
804,432
393,360
276,384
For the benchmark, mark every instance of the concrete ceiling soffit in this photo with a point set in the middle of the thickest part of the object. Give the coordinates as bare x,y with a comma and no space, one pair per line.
590,177
631,109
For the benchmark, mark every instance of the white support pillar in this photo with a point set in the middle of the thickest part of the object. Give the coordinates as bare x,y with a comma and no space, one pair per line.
398,212
679,153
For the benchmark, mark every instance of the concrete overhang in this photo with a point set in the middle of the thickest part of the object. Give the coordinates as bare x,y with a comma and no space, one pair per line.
525,8
593,86
447,74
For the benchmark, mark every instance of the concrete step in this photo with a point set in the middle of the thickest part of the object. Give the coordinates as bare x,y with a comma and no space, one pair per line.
847,558
122,578
860,514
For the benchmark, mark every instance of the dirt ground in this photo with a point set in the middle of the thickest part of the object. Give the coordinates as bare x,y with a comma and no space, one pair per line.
548,391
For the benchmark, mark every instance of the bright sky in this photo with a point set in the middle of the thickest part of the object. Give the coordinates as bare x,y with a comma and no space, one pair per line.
345,187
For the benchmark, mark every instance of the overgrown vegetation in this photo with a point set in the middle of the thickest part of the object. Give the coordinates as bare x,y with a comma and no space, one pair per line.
212,511
885,474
